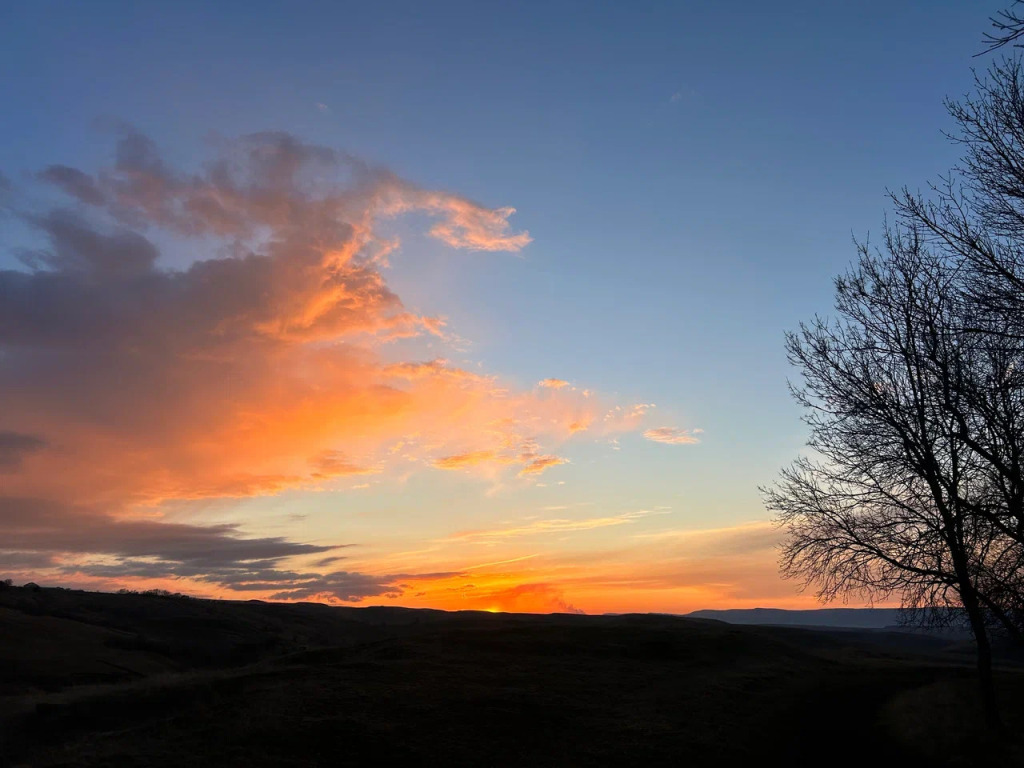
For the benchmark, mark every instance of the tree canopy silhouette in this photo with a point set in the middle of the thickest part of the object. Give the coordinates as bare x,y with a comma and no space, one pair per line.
890,504
1008,26
914,394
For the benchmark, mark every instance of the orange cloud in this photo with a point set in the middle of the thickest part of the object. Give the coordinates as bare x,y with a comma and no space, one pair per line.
259,366
434,368
535,466
552,383
463,223
532,464
672,436
462,460
239,374
336,464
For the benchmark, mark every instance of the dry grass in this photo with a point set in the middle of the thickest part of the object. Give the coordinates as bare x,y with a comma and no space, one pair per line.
943,722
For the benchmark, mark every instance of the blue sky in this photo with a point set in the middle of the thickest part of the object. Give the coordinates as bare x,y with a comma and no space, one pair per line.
692,176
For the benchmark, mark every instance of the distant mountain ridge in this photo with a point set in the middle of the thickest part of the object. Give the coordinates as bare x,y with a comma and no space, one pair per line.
840,618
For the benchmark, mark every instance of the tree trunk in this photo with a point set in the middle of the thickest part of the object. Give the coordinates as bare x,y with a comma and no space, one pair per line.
984,648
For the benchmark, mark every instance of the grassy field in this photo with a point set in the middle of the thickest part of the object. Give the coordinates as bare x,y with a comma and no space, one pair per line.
92,679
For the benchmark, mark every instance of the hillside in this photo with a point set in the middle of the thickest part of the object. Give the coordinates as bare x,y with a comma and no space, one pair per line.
95,679
840,618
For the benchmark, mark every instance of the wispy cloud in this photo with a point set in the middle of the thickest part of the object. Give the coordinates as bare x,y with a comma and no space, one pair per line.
553,383
479,566
674,569
531,464
463,460
736,539
553,525
673,436
15,447
336,464
683,94
535,466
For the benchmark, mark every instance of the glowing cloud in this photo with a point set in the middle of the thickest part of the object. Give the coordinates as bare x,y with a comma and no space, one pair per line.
535,466
463,460
672,436
253,368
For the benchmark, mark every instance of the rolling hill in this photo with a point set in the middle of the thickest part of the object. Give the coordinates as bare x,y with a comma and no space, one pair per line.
91,679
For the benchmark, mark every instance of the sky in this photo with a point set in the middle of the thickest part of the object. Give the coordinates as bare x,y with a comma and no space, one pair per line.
449,305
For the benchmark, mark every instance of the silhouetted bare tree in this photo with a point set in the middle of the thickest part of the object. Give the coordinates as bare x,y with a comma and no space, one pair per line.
890,505
1008,26
976,218
915,394
976,215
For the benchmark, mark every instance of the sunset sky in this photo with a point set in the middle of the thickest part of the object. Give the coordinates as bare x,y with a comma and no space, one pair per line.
451,305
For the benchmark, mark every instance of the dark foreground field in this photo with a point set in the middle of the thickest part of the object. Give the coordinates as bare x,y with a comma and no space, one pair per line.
91,679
